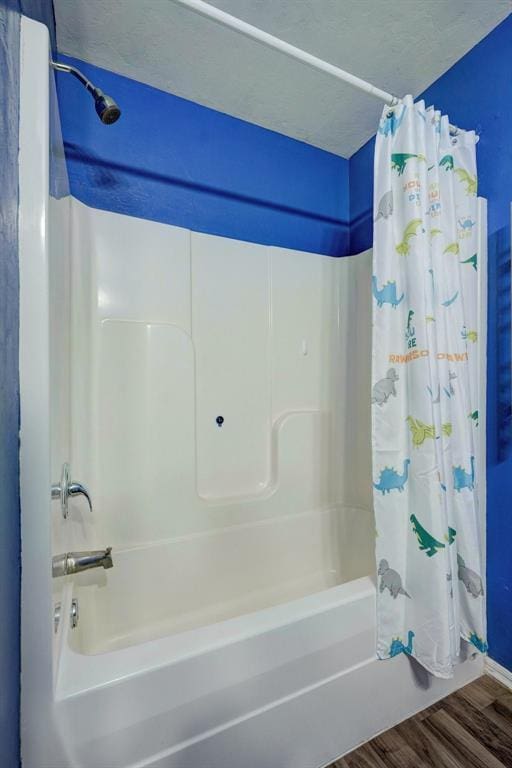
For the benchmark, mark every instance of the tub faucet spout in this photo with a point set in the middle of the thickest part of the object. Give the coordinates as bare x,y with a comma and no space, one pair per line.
75,562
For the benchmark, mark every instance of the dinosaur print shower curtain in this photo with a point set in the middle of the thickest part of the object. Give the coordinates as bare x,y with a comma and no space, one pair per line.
424,395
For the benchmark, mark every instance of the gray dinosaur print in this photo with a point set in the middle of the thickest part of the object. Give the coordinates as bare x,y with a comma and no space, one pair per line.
391,580
437,398
385,387
385,208
471,580
450,391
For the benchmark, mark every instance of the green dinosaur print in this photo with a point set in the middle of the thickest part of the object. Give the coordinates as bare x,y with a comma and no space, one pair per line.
399,161
434,232
427,543
471,336
421,431
446,162
474,415
472,260
466,178
411,230
452,248
451,535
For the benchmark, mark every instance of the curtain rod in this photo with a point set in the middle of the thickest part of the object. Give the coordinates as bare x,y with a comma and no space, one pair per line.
227,20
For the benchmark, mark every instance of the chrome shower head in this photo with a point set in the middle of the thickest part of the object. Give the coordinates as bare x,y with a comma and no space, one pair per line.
106,108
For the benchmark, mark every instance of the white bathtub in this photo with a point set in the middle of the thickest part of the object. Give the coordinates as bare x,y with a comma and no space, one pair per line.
175,662
290,685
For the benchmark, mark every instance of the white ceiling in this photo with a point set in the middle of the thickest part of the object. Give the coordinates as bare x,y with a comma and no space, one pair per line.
401,46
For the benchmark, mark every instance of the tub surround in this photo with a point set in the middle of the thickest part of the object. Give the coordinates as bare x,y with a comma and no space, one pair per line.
227,368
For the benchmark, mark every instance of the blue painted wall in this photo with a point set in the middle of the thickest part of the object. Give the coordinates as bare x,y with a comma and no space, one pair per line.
174,161
476,93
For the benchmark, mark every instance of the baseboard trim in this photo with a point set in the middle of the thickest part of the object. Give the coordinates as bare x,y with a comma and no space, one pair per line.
502,674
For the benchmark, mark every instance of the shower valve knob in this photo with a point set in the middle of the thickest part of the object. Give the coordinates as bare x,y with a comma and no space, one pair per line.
67,488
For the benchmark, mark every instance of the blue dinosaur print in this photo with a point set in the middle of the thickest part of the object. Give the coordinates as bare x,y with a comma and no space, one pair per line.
466,223
448,302
386,294
463,479
390,480
397,645
479,644
390,124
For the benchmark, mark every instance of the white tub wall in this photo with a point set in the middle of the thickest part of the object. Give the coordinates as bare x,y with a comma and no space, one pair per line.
170,330
353,360
232,334
59,342
199,580
42,250
59,309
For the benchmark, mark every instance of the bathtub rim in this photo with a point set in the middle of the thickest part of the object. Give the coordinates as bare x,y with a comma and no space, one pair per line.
80,673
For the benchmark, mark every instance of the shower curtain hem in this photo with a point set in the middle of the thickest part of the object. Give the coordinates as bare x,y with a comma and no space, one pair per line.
443,673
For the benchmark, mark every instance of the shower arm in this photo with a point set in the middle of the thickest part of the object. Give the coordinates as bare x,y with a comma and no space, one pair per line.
60,67
107,109
232,22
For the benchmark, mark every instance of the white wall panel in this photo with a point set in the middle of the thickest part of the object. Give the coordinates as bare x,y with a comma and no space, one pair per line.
231,331
144,436
304,318
143,270
352,450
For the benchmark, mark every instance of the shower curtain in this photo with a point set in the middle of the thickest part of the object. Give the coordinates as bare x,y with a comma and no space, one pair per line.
424,393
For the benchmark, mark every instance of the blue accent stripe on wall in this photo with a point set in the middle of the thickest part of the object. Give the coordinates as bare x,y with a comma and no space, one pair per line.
475,93
174,161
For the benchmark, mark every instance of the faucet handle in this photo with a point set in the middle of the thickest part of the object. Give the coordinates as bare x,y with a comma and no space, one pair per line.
77,489
67,488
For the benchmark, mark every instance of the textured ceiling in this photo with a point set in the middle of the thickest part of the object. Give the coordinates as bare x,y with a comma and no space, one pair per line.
401,46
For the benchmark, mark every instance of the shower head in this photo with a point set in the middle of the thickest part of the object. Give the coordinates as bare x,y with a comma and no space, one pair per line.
106,108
